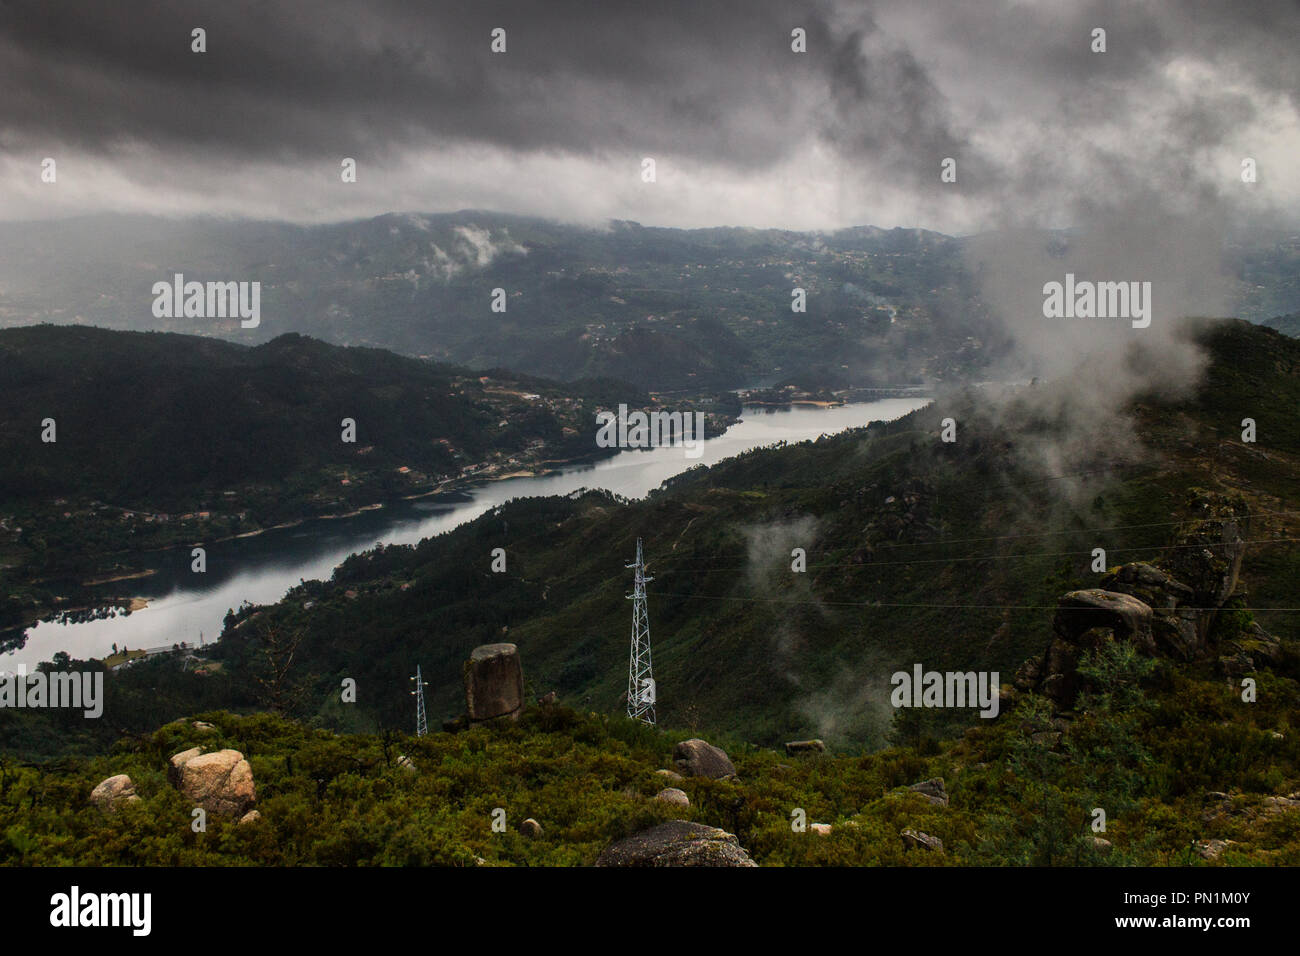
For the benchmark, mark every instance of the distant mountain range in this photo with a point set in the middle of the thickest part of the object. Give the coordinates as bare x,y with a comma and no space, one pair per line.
661,308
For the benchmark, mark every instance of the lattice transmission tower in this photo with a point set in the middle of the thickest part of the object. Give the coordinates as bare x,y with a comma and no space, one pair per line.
421,720
640,679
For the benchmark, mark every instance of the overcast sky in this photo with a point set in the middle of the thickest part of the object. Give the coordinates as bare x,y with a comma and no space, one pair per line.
744,131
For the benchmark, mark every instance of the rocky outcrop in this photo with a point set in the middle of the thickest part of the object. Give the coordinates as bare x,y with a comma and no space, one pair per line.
1093,608
1085,621
916,840
221,782
1166,611
1208,552
699,758
677,843
1177,628
111,794
933,791
494,683
795,747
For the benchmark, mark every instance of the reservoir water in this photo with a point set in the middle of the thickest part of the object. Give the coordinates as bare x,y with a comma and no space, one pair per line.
184,606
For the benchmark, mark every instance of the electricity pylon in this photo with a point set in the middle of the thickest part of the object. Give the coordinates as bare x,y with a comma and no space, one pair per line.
640,679
421,721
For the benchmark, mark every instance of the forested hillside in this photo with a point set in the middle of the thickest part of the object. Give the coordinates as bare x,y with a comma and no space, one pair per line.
950,554
115,442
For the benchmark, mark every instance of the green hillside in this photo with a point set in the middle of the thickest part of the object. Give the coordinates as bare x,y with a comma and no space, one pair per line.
951,555
163,439
947,554
956,556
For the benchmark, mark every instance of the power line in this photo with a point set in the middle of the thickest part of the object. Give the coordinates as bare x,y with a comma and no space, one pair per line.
887,604
1040,534
980,557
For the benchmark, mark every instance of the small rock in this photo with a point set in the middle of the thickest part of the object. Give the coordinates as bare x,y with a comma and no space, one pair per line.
677,843
796,747
674,796
1212,849
1100,845
204,726
672,775
404,762
252,816
932,790
1280,804
916,840
821,829
548,699
112,793
699,758
530,828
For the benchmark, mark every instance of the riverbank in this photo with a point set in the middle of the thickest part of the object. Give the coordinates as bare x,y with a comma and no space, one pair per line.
261,569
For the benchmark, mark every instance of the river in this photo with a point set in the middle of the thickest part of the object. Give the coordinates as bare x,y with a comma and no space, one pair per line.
184,606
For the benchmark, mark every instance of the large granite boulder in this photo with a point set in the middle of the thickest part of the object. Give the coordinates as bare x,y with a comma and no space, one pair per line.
221,782
111,794
1085,620
1080,611
1178,626
494,682
677,843
699,758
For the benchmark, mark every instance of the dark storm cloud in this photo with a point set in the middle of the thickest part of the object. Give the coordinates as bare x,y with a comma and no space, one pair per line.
717,80
1039,125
